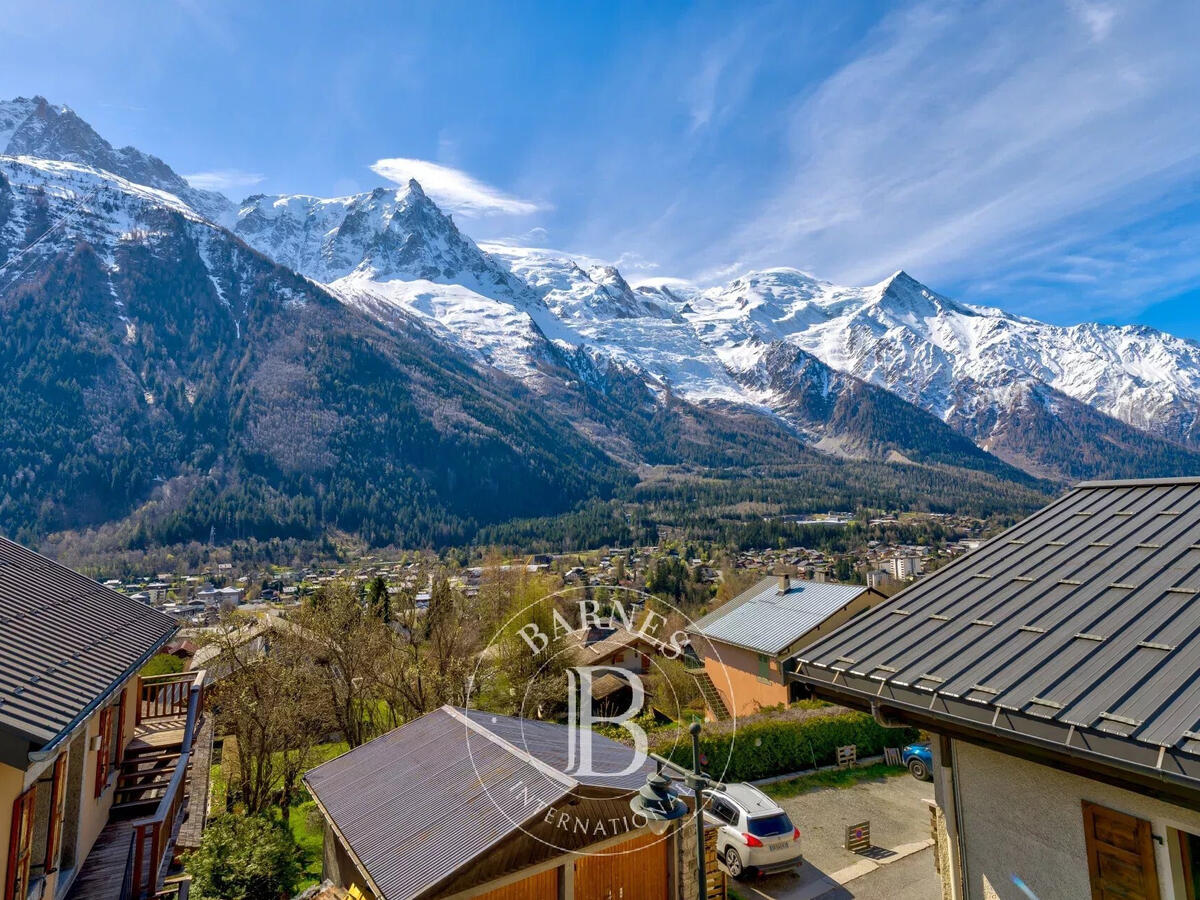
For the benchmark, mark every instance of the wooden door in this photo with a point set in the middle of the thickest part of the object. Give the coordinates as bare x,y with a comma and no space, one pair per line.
1120,851
634,870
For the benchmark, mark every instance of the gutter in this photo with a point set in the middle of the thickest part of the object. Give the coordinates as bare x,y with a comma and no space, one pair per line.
1087,760
52,748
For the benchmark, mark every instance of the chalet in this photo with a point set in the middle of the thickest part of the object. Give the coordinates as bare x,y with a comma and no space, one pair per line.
1056,666
745,642
93,758
460,803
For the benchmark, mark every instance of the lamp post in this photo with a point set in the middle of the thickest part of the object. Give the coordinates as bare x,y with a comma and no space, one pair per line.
659,808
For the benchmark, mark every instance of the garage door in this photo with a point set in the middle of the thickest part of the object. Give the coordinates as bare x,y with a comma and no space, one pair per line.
536,887
1120,853
634,870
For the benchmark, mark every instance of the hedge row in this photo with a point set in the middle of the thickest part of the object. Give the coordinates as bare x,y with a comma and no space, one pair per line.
774,746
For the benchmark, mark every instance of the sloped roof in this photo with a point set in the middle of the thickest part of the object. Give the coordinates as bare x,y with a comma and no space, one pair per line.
65,643
1077,629
764,620
419,803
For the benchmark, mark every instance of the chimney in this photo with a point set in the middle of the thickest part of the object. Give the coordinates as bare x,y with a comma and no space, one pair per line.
785,583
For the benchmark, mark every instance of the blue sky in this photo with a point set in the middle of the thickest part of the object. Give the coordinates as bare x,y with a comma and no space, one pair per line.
1043,157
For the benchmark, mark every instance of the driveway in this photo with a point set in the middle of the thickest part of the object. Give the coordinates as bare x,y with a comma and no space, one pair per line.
899,865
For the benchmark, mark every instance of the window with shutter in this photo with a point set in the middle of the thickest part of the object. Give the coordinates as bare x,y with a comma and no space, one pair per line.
764,667
1120,851
58,806
20,848
103,753
119,748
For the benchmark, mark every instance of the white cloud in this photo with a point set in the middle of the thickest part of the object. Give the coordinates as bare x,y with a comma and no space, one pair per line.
962,138
454,189
224,180
1097,17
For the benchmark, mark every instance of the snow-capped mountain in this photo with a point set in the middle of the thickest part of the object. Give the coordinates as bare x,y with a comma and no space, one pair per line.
966,364
523,311
154,366
33,127
508,346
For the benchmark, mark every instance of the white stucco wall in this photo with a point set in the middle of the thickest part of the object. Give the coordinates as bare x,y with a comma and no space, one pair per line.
1024,821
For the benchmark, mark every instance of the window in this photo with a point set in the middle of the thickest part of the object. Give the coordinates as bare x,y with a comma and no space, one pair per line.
769,826
764,667
104,752
20,847
58,806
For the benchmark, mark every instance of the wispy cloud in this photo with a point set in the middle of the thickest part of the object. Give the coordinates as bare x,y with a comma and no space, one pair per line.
224,180
454,189
962,137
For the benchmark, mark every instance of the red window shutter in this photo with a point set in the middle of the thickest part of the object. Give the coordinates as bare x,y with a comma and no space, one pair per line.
58,805
20,847
121,727
103,751
1120,852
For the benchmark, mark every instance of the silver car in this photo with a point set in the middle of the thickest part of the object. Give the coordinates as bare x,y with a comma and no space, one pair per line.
756,835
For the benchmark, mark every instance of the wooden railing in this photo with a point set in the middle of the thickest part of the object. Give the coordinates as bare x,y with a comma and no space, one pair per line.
153,833
164,696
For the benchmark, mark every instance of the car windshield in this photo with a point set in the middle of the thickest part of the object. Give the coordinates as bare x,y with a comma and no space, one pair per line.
765,826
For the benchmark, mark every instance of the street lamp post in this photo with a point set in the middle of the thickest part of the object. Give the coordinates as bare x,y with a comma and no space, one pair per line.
659,808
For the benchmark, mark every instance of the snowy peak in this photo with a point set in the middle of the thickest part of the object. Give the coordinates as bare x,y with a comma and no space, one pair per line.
384,234
34,127
575,292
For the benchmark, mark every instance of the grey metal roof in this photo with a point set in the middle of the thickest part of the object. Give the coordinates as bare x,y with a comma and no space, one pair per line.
764,620
1079,629
421,802
66,642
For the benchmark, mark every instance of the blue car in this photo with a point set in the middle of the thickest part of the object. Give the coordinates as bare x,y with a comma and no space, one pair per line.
919,759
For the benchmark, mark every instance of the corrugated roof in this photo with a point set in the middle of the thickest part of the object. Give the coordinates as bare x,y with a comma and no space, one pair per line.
767,621
65,643
1079,626
419,803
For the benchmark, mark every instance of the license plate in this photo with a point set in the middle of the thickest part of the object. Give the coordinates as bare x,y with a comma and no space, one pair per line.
780,846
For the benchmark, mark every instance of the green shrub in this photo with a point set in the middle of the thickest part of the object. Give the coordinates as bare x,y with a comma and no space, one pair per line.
244,858
162,664
778,744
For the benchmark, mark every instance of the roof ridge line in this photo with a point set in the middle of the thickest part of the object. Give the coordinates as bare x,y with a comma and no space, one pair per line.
545,768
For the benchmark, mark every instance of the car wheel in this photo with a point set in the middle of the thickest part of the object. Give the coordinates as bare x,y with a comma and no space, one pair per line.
733,862
919,770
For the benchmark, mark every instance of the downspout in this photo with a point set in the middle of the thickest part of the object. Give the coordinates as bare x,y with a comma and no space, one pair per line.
882,719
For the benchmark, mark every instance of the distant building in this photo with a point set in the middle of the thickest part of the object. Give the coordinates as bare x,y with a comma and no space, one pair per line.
745,642
904,567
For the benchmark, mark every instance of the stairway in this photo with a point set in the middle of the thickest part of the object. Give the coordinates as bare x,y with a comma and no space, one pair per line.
143,779
712,697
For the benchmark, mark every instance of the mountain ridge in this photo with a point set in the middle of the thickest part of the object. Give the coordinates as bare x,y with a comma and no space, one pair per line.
374,314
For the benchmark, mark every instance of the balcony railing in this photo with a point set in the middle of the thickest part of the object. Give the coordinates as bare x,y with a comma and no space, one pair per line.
163,697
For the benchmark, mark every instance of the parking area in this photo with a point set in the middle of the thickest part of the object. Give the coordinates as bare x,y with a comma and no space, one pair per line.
899,865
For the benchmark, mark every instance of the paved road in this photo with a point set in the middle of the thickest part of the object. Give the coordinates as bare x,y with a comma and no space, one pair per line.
899,865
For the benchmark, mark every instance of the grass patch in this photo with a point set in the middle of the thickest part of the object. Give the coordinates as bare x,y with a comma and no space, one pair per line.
835,778
307,827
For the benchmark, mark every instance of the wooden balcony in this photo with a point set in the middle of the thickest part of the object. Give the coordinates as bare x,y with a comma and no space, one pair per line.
161,795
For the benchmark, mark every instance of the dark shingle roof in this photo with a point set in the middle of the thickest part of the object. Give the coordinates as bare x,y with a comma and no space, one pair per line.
764,620
417,804
65,643
1080,627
